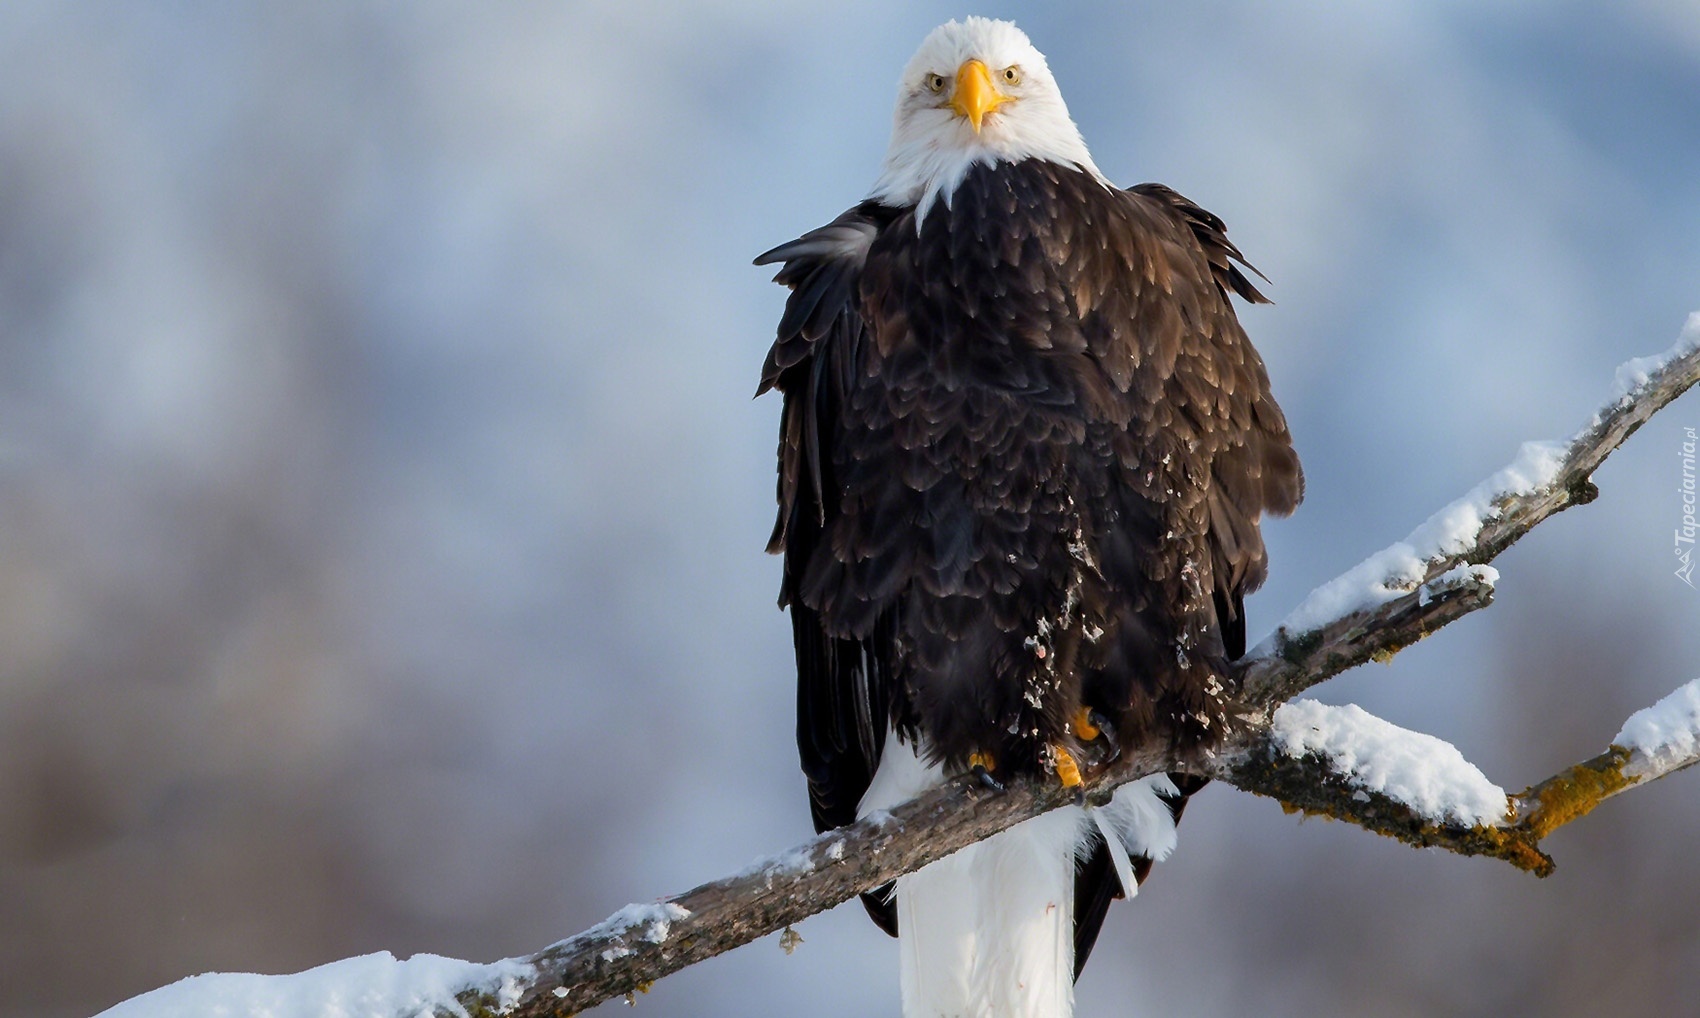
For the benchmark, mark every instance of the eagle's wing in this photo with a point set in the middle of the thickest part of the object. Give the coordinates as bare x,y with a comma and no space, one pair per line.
843,685
1256,470
1197,450
1195,397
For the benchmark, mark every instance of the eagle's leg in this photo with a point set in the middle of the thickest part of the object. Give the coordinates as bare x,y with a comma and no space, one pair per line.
981,765
1089,725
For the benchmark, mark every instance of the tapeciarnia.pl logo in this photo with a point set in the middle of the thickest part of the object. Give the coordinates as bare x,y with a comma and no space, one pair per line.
1686,531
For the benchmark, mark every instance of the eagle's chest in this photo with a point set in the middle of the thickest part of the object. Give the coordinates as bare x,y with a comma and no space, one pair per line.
985,294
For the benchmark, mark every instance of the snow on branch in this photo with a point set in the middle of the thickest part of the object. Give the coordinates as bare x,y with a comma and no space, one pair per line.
1425,774
1659,740
1664,737
1433,577
1343,763
364,987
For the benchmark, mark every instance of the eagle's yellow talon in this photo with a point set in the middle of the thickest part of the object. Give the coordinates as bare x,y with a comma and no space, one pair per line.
1068,772
1083,726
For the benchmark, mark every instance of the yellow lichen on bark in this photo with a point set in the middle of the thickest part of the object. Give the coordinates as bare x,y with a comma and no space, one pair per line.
1517,847
1573,793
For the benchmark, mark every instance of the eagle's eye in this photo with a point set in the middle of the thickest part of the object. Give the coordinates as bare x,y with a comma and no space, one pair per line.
1012,75
935,82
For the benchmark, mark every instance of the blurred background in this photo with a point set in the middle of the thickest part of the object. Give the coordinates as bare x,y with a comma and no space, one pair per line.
382,502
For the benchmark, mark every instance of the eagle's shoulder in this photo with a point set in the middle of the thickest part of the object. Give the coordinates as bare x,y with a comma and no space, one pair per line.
1227,265
821,268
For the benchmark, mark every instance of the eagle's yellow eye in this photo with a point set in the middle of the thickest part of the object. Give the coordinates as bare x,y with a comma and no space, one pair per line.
1012,75
935,83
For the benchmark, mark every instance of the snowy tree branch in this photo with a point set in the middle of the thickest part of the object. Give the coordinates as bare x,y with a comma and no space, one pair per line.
1434,576
1293,660
1660,740
1546,478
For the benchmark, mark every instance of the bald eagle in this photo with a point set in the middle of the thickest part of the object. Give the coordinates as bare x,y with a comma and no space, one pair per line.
1024,452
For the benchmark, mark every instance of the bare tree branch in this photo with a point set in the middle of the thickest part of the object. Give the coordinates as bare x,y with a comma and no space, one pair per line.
1391,600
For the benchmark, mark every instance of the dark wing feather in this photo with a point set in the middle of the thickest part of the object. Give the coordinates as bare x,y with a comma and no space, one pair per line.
1212,235
1260,474
1202,450
1185,366
843,685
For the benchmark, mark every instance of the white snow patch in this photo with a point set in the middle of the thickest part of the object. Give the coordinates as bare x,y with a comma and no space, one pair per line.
370,986
1456,577
654,919
1633,374
1425,773
1399,568
1668,732
793,862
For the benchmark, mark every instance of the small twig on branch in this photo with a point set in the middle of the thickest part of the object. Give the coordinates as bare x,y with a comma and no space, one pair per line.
1389,601
1290,662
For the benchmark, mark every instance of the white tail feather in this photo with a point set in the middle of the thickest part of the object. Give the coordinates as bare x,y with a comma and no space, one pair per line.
1118,853
938,937
1024,887
988,932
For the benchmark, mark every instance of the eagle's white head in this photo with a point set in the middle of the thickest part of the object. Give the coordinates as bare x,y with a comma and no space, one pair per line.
975,92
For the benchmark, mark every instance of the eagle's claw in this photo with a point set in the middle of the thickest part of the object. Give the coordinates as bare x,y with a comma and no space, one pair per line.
980,765
1101,722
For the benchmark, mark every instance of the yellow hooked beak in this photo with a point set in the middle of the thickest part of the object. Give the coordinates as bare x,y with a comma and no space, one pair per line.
975,94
